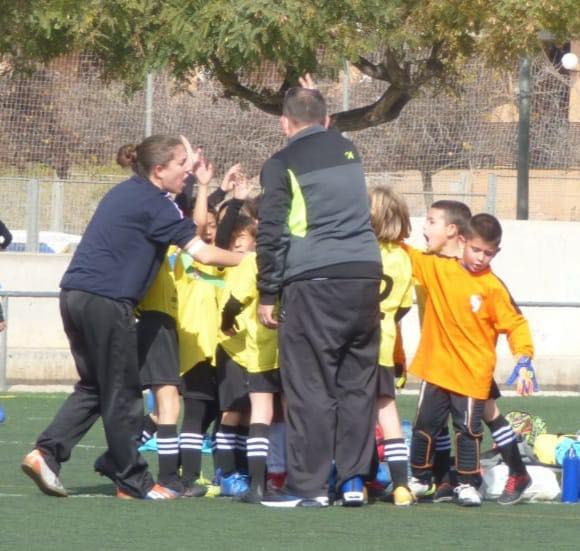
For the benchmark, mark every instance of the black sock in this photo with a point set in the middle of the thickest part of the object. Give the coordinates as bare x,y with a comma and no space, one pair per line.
225,453
258,445
442,456
191,439
149,429
507,443
241,457
397,457
168,455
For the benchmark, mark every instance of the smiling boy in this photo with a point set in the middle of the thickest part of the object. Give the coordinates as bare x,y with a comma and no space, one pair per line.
467,307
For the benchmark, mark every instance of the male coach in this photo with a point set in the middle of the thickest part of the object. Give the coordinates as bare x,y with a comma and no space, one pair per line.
317,251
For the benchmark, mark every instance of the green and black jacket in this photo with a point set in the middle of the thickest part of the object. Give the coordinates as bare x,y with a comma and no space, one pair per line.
314,215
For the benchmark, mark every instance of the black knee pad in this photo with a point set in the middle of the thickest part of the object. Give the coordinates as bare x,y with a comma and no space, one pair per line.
421,450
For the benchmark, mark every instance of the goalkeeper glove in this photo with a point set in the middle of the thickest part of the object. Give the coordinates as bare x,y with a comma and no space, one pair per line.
524,376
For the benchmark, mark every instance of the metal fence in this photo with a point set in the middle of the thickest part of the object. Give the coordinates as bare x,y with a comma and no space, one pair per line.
61,127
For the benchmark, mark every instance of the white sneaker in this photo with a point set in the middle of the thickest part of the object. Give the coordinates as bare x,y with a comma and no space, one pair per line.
419,488
47,481
467,496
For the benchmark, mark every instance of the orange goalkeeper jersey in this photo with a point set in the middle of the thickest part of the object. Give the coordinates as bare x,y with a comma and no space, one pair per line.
464,314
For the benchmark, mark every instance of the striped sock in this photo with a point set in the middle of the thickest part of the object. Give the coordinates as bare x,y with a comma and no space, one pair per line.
225,453
257,446
149,429
507,443
241,457
397,457
168,455
190,444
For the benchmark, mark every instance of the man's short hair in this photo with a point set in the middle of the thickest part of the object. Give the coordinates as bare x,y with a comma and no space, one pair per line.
456,212
486,227
304,106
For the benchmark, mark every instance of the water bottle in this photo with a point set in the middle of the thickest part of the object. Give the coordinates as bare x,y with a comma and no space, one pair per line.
150,401
570,477
407,430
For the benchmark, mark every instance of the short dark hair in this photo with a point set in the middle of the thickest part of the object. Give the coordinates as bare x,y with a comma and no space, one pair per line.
456,212
486,227
304,105
244,223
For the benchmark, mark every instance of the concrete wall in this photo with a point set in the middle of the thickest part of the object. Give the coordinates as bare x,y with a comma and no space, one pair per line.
539,262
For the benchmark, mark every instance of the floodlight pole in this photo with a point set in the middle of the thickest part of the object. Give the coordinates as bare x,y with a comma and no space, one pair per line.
522,201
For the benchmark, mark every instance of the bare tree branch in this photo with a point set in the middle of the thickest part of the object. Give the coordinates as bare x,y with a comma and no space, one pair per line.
385,109
376,71
266,100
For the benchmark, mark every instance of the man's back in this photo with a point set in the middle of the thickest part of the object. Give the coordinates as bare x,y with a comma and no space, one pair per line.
317,185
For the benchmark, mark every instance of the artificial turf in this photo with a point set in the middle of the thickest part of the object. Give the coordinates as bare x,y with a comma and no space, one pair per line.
93,519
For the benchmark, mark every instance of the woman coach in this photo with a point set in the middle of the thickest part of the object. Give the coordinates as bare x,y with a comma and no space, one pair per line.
117,259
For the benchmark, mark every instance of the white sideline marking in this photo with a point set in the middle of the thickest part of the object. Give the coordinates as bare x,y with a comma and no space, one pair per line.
86,446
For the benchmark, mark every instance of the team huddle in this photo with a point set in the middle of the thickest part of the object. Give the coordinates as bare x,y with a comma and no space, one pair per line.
276,321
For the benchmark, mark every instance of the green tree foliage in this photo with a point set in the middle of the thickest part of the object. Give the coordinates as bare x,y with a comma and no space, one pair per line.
408,44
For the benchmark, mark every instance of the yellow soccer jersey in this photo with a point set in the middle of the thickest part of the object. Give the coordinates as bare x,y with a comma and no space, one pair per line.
396,292
198,316
162,295
254,346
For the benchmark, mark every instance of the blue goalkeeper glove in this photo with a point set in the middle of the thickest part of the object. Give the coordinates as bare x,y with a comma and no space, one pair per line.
524,376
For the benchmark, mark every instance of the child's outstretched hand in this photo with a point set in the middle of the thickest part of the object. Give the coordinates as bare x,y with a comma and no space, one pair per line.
307,82
524,376
231,177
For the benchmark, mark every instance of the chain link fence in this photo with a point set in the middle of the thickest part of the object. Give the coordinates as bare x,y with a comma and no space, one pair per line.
60,129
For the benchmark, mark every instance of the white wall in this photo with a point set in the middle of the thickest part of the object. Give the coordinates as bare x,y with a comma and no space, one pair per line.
539,261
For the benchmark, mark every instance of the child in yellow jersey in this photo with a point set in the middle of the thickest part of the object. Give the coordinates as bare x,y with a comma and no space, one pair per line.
467,308
232,379
254,347
444,232
391,224
159,366
197,287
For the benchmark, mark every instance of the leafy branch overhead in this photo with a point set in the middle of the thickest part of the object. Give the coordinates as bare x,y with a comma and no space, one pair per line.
258,48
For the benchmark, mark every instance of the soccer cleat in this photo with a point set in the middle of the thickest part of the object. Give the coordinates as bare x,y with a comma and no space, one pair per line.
253,496
234,484
47,481
467,496
157,492
421,489
352,492
213,491
375,490
402,497
283,500
275,482
444,493
194,489
514,489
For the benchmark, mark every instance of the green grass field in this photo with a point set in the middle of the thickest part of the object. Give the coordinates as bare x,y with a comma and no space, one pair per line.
93,519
